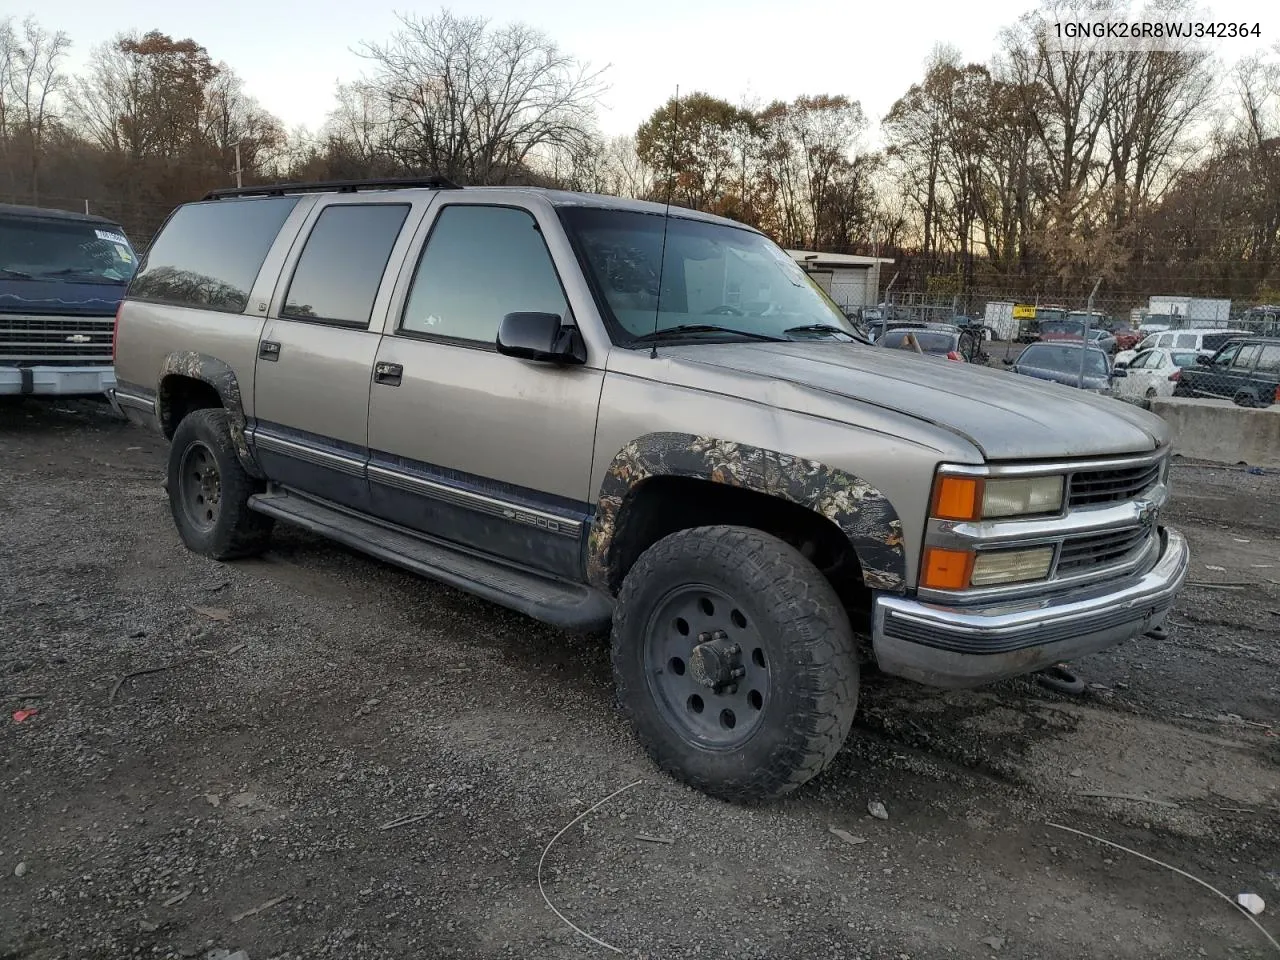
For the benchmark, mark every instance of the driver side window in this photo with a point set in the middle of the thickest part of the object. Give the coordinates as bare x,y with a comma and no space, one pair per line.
1228,354
479,264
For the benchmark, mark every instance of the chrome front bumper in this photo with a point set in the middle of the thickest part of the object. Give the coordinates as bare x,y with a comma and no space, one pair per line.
965,646
49,381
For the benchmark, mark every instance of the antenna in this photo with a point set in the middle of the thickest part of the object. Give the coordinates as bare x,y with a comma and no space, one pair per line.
666,218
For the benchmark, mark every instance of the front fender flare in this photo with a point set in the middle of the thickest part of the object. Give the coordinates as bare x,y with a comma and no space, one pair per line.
216,373
863,513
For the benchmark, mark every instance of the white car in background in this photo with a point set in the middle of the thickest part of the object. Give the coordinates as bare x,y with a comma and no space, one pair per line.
1153,373
1204,340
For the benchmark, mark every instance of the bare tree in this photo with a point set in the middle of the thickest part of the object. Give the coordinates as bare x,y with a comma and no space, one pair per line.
1068,102
476,104
32,77
1154,99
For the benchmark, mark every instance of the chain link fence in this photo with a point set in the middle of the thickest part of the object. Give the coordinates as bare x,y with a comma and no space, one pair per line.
1140,348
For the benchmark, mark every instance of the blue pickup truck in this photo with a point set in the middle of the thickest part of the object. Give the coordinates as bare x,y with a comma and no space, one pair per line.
62,276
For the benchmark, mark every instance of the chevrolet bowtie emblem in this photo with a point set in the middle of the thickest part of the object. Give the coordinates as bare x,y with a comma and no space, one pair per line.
79,338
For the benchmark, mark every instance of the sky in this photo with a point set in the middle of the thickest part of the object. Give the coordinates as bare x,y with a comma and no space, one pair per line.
759,49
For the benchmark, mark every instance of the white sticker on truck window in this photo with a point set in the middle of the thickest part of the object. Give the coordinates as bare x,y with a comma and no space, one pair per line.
113,237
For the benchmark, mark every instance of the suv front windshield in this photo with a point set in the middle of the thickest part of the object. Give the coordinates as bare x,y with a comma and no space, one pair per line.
727,278
69,250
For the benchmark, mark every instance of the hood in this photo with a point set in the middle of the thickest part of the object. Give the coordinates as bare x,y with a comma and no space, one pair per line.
60,297
1007,417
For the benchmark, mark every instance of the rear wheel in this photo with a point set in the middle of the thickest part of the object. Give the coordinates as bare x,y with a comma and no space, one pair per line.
209,490
734,662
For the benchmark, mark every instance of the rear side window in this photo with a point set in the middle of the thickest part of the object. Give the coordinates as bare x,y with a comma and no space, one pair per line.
1186,341
208,255
1269,361
341,267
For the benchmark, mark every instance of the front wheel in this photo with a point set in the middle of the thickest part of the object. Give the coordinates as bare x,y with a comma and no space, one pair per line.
734,661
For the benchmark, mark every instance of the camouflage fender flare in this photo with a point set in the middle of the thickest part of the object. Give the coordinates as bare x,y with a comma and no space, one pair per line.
861,511
210,370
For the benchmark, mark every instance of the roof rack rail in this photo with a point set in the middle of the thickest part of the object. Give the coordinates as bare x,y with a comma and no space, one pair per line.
334,186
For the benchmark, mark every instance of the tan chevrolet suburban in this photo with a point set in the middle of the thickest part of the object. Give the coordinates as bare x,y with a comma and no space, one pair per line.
608,415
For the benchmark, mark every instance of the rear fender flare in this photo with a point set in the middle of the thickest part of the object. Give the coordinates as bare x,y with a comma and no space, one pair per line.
859,510
216,373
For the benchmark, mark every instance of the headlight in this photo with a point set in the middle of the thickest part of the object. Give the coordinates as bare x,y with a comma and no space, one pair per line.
1015,498
1011,566
974,498
960,569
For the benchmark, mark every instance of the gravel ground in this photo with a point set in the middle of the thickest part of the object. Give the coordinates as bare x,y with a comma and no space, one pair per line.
376,763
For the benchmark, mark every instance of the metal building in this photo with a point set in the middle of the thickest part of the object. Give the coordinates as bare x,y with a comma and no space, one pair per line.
853,282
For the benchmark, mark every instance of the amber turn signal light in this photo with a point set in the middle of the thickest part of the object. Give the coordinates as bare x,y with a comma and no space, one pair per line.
946,569
957,498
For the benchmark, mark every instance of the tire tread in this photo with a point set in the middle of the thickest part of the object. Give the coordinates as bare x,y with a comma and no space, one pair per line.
823,668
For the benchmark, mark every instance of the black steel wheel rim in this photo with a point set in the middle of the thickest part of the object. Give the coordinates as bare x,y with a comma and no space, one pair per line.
707,666
200,486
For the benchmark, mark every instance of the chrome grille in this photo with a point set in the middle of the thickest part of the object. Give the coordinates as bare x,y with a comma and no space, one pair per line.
55,340
1101,549
1092,487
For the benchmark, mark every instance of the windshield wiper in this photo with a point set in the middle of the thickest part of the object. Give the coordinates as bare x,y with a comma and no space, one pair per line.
20,274
703,328
820,328
72,271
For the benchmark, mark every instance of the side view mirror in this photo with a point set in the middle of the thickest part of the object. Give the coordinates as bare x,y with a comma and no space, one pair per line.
1121,365
1007,362
540,336
1120,371
1203,360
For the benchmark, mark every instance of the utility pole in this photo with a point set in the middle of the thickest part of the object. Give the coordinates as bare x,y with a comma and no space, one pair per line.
888,299
238,171
1088,322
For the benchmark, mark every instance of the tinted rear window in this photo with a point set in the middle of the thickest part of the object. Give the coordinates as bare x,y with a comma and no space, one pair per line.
341,267
208,255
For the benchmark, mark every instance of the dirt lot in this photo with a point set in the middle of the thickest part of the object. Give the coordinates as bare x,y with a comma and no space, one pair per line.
300,704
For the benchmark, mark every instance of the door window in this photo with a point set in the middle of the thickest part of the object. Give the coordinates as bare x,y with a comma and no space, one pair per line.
479,264
341,267
1228,354
1247,356
1144,360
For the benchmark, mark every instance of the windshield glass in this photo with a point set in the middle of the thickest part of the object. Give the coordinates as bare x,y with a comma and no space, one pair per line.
930,341
711,274
1065,359
37,249
1070,327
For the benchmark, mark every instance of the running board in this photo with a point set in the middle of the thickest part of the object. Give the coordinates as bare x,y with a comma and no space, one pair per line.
562,604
